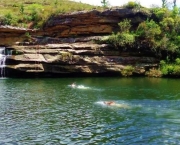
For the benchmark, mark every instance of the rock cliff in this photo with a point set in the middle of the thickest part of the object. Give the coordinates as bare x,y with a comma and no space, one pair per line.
66,46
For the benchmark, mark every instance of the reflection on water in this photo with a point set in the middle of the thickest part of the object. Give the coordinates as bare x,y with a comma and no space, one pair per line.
48,111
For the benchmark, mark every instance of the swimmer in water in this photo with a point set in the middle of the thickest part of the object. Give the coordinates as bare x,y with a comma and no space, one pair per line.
112,103
73,85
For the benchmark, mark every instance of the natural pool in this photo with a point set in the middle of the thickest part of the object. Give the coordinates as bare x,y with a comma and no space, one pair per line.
50,112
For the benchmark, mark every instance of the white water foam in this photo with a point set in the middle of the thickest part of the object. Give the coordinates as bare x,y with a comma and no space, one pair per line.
79,86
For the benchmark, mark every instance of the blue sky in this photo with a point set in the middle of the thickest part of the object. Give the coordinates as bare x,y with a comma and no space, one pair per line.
146,3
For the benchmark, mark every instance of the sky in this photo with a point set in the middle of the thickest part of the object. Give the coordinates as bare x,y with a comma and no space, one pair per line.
145,3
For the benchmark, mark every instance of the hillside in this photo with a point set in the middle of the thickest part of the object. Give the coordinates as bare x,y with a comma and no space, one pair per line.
33,13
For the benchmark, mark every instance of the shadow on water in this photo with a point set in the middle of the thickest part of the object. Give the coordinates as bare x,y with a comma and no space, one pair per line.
49,111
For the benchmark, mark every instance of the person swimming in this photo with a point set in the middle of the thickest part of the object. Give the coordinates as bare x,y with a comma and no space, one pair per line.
112,103
109,103
73,85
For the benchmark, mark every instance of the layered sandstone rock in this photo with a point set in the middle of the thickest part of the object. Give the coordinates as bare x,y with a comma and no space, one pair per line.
66,45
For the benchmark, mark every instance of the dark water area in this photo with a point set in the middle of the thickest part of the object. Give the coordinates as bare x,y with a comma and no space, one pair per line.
50,111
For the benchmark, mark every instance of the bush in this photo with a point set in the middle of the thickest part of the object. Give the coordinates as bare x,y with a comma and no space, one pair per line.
164,70
35,11
162,63
8,19
131,5
148,33
154,73
170,68
161,13
167,24
125,25
121,39
176,70
177,61
127,71
148,29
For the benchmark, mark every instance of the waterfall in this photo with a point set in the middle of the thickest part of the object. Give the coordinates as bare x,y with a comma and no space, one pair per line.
2,61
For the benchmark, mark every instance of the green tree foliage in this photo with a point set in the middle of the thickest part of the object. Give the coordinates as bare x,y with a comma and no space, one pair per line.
125,25
105,3
164,3
170,68
161,13
174,3
148,34
167,25
161,35
122,38
175,12
148,29
170,32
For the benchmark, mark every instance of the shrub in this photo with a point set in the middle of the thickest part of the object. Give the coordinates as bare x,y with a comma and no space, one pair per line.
8,19
170,68
175,12
176,70
148,33
167,24
177,61
125,25
121,39
35,11
167,69
131,5
164,70
148,29
21,9
127,71
161,13
154,73
162,63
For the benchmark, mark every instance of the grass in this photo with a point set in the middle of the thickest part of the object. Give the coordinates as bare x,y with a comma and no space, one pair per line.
33,13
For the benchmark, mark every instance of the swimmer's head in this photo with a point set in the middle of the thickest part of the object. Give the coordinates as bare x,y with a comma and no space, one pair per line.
109,102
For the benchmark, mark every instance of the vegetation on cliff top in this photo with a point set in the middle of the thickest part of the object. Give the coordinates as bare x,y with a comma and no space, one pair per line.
33,13
159,34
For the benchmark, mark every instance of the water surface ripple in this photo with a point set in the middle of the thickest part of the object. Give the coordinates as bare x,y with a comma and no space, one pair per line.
49,111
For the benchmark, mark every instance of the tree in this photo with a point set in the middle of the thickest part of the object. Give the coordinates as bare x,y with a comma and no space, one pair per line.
104,3
164,3
174,3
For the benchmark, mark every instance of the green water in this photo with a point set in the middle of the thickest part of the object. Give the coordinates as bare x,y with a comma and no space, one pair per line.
50,112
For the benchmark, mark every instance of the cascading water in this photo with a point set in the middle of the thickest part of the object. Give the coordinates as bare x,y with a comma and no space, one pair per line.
2,61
